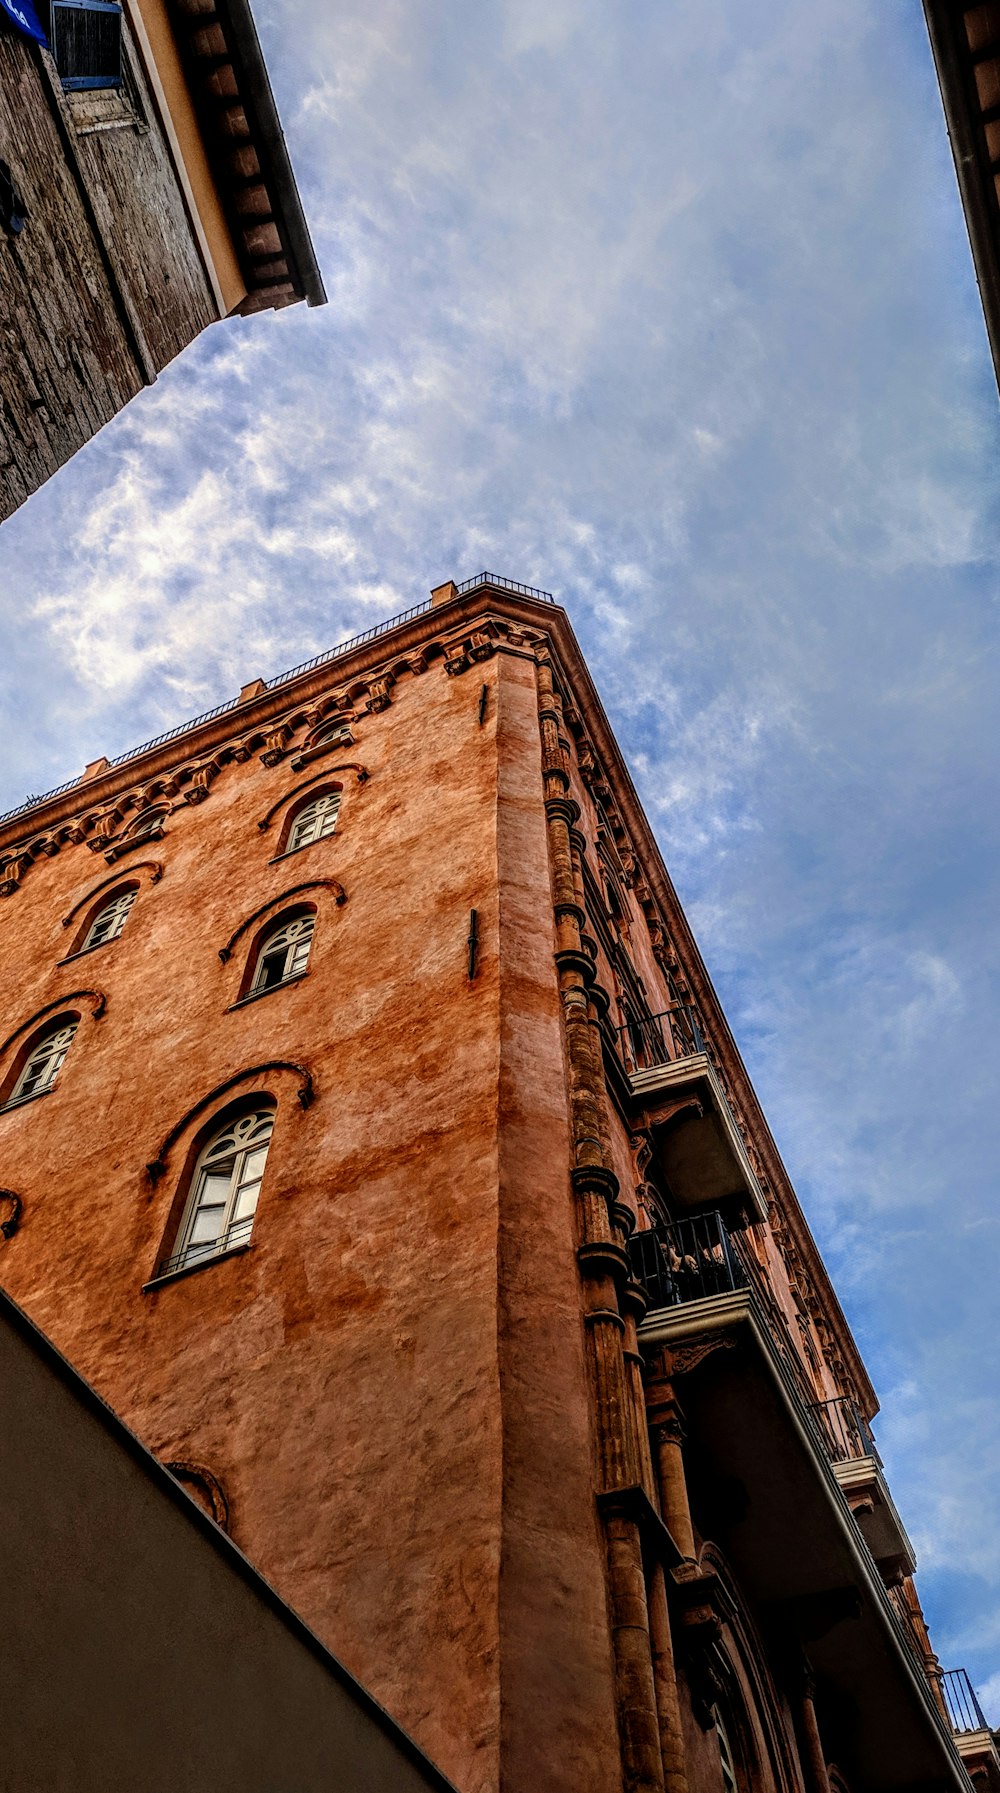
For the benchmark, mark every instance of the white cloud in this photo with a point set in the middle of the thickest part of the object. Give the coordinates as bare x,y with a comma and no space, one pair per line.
675,319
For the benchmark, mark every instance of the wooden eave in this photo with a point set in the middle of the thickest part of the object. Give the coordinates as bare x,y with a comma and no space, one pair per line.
965,40
229,85
454,618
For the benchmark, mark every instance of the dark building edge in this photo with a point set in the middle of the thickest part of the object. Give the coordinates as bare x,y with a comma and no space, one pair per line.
15,1317
963,117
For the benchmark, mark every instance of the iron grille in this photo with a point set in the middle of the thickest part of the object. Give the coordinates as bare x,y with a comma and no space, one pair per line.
235,1235
686,1260
87,43
964,1710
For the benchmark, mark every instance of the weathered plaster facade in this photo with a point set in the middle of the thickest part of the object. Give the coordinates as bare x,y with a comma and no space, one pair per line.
150,211
573,1527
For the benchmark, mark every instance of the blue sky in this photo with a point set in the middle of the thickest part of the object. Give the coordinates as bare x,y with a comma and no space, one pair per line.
669,310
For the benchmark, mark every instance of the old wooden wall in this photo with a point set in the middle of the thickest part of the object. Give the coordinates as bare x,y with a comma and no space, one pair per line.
105,283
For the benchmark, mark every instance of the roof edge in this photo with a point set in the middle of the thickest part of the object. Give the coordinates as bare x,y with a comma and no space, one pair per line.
238,22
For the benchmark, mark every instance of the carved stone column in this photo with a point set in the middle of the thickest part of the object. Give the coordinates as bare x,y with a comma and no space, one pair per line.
667,1435
814,1756
604,1269
665,1680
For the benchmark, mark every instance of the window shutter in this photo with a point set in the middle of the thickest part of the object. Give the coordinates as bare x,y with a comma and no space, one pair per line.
87,42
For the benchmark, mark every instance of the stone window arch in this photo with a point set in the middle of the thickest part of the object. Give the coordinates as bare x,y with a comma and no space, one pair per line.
40,1060
313,819
216,1205
106,918
146,824
279,953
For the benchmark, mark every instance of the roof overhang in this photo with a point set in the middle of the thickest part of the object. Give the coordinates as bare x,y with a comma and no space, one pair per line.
965,40
246,147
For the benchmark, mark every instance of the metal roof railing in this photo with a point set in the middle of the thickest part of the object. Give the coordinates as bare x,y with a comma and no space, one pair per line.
232,703
964,1710
526,591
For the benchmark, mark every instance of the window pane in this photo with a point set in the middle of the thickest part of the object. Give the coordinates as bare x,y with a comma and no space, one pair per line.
315,820
246,1202
227,1188
44,1062
270,971
299,957
207,1225
214,1189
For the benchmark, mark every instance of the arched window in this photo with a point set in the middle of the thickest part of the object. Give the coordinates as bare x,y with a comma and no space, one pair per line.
110,919
42,1065
729,1781
146,824
283,953
314,820
329,733
224,1189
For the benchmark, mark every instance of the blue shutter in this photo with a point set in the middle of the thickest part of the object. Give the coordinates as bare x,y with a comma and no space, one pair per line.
87,42
24,18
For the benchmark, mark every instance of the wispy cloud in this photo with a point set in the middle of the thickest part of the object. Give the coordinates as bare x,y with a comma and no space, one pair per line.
674,316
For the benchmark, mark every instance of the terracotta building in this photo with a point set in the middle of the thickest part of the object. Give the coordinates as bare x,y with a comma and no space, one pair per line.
374,1142
965,39
145,192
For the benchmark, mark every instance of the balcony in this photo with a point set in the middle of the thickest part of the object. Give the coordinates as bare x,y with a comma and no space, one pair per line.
765,1468
675,1093
976,1742
847,1439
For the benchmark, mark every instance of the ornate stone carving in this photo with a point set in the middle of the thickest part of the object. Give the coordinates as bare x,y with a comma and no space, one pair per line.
685,1358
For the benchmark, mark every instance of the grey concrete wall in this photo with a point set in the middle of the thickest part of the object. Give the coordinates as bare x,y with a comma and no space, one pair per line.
138,1649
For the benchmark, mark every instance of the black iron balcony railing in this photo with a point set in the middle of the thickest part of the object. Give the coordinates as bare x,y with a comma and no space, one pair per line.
236,1234
686,1260
963,1708
844,1432
654,1039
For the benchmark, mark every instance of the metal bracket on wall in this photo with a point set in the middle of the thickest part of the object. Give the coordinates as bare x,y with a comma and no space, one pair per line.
473,942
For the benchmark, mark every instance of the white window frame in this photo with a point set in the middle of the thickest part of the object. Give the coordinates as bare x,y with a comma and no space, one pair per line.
316,820
43,1063
231,1155
293,939
332,734
145,824
109,920
730,1779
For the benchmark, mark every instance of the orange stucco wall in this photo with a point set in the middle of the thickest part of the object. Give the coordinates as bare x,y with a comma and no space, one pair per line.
390,1382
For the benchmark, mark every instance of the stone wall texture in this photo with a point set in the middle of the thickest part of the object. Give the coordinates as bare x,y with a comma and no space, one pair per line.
105,283
420,1386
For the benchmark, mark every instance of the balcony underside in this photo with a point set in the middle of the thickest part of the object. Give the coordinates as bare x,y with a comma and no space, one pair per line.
771,1501
867,1494
979,1753
695,1138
